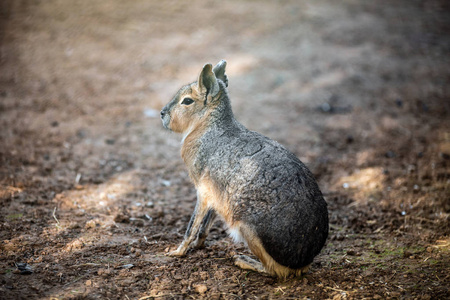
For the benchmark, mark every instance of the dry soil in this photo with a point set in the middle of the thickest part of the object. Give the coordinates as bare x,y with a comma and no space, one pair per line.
93,191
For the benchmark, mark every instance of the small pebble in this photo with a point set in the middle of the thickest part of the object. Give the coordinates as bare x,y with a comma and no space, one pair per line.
90,224
24,268
390,154
201,288
127,266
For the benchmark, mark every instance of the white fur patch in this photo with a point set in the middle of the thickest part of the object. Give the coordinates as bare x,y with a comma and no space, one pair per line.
236,235
186,133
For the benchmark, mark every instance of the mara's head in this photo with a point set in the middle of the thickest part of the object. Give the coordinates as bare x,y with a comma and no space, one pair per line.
194,102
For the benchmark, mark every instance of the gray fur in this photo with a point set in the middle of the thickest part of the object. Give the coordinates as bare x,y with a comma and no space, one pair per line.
268,187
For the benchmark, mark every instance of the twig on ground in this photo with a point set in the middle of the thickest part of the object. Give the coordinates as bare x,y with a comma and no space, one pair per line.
54,217
81,277
88,264
77,179
162,295
337,290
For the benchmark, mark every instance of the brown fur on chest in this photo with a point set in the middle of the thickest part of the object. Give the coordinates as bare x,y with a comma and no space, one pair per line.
189,152
190,148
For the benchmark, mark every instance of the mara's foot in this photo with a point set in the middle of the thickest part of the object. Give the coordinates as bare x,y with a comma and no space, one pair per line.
247,263
177,253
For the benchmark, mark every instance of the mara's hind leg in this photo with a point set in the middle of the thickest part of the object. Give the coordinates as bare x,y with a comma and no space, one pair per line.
247,263
267,265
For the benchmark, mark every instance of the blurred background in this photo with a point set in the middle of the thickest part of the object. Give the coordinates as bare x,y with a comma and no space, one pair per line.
357,90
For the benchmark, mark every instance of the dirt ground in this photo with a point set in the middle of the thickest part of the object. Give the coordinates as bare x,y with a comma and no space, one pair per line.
93,191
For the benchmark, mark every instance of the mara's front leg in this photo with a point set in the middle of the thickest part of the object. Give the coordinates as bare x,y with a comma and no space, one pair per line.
207,222
198,227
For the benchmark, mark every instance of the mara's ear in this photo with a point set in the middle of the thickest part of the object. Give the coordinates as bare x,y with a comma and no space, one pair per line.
219,70
207,81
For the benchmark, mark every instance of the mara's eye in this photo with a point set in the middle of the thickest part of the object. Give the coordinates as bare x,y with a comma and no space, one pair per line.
187,101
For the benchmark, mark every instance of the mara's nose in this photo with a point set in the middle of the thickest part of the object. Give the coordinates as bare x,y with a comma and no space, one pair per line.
163,112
